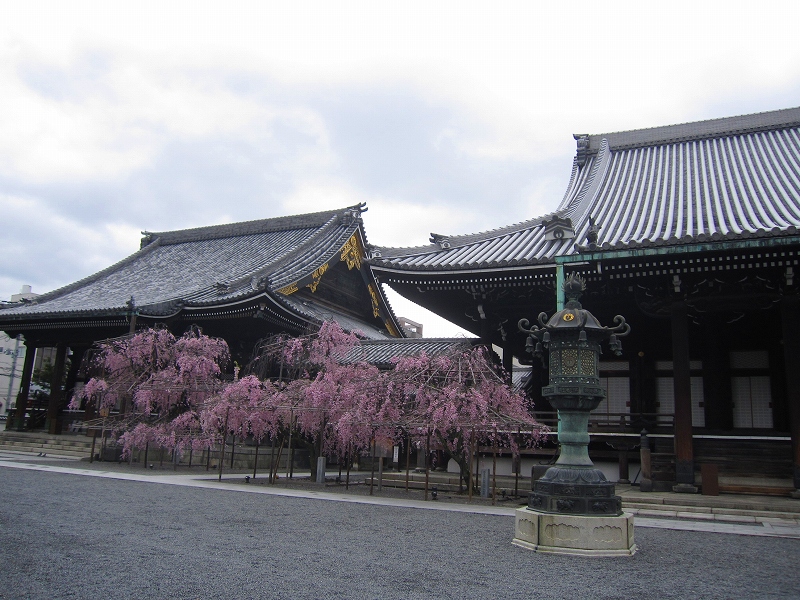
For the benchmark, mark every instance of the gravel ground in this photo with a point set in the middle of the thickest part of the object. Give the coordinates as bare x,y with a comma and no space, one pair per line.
66,536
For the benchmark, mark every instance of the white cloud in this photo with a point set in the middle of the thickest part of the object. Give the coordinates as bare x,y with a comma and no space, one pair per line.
56,249
457,114
402,223
128,112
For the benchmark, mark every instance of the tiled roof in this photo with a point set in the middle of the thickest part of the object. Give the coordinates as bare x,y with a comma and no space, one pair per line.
519,244
724,179
382,352
732,186
203,267
316,312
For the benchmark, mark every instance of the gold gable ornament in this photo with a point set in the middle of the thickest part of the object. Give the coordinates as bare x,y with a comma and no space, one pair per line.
317,275
289,289
376,306
352,252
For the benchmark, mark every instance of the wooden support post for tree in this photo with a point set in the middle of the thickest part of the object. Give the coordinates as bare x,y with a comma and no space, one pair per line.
224,439
427,461
349,463
471,456
494,468
208,457
408,456
289,456
255,461
271,457
380,474
222,451
233,449
146,449
372,475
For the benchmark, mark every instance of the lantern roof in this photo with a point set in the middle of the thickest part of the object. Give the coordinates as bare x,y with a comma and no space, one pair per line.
574,316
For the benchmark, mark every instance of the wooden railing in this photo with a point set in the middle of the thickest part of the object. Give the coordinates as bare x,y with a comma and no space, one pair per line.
616,422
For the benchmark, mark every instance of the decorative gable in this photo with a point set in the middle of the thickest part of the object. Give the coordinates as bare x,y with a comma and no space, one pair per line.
558,229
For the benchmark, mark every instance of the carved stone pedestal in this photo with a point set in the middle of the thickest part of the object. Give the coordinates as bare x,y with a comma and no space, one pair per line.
571,534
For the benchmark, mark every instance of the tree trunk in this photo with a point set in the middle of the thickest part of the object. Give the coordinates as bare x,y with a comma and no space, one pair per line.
462,460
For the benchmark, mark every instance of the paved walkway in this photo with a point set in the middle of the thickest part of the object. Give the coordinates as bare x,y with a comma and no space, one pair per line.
70,529
729,514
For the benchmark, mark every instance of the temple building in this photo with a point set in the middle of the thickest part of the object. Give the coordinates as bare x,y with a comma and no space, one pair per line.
241,282
692,232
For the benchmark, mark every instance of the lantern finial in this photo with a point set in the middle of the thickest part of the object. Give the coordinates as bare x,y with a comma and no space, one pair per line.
574,286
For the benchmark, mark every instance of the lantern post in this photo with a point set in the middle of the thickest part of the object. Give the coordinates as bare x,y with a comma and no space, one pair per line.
573,508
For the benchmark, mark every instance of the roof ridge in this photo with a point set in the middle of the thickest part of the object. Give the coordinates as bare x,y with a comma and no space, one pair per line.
696,130
307,220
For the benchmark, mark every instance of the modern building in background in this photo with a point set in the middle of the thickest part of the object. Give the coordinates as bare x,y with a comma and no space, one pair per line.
412,329
12,355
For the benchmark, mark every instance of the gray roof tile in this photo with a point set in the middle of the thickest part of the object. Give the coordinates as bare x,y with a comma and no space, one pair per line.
382,352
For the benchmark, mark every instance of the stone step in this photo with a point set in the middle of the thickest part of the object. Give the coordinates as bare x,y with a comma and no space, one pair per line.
46,444
38,442
66,442
48,451
709,512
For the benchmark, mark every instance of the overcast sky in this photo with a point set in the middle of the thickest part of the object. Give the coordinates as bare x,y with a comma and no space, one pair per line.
447,117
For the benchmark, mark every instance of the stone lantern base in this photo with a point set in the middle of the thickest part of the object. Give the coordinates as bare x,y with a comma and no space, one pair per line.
572,534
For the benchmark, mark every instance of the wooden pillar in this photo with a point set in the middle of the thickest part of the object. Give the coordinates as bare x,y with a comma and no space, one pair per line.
684,453
790,324
56,394
24,387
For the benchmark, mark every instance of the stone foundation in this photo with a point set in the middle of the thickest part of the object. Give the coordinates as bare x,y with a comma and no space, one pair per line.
579,535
